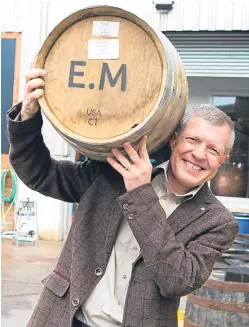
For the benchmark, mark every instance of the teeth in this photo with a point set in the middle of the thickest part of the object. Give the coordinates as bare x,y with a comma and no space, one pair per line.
193,166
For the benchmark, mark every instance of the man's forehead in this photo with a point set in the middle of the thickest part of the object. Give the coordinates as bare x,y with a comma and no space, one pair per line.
197,122
203,129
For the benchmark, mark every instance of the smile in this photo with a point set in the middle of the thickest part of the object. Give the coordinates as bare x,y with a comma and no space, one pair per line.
191,165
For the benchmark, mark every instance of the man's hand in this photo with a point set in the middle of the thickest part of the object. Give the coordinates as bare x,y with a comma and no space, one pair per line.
136,171
33,91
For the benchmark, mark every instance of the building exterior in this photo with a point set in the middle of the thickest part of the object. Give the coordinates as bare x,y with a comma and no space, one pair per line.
212,38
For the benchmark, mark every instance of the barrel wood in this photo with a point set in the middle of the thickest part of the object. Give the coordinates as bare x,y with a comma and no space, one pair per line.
218,303
155,94
209,317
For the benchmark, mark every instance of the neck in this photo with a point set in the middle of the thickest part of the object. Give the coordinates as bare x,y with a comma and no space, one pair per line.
173,185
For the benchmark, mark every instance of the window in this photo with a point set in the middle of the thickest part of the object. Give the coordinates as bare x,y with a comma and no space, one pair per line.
232,178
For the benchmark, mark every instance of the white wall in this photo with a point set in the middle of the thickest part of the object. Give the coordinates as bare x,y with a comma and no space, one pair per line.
205,15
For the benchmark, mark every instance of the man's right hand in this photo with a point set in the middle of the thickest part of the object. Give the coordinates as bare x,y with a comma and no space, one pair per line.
33,91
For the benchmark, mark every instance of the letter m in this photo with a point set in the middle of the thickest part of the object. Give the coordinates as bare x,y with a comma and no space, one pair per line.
113,81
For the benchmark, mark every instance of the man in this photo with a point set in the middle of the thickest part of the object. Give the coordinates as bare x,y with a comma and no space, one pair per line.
140,239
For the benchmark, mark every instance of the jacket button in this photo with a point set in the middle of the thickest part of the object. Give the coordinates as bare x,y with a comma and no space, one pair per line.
75,301
125,206
98,271
130,216
202,208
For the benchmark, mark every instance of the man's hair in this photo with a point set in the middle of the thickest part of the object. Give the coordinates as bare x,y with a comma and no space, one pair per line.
212,115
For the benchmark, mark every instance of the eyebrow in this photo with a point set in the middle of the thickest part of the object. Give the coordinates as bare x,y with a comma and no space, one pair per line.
210,144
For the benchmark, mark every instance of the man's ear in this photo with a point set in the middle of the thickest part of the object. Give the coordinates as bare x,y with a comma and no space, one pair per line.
172,141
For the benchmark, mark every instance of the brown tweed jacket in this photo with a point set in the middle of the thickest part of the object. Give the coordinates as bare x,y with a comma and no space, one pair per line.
177,254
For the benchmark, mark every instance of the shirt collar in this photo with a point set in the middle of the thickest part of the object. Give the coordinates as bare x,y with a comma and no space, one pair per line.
189,194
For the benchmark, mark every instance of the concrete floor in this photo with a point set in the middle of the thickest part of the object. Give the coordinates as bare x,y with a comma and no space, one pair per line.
23,268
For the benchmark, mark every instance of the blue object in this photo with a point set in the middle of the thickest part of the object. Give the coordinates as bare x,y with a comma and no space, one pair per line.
243,221
8,47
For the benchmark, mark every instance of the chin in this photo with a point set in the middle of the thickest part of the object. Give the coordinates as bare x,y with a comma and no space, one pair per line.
191,182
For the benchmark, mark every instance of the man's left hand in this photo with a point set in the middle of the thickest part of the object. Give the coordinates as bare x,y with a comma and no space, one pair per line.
136,170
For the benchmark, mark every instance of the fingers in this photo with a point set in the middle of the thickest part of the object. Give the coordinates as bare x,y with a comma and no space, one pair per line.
35,95
143,153
33,91
34,84
121,158
35,73
119,168
131,152
138,160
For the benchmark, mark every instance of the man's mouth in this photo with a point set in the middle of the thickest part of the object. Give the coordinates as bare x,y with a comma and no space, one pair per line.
191,165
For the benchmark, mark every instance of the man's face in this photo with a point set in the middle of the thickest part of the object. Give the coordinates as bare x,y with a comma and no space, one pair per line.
197,153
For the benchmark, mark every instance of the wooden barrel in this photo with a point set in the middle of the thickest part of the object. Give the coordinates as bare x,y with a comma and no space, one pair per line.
223,301
110,78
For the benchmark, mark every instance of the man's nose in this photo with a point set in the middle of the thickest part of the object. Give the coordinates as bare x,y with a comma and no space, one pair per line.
200,152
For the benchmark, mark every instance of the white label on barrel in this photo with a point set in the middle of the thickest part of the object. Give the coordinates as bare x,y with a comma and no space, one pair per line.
105,28
103,49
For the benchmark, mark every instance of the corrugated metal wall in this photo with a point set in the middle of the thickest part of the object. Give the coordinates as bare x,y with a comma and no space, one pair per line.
206,15
213,54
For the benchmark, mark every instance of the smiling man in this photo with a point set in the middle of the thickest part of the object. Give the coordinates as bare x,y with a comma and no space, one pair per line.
203,142
140,238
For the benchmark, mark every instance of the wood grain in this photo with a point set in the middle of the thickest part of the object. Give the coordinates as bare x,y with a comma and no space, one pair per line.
92,119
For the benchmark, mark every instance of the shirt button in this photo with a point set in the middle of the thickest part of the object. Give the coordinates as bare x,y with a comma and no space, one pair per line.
125,206
98,271
130,216
135,248
124,276
75,301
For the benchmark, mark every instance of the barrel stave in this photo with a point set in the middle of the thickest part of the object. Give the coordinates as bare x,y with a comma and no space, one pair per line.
154,99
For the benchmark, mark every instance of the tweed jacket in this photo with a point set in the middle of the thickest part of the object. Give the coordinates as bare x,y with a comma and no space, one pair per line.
177,254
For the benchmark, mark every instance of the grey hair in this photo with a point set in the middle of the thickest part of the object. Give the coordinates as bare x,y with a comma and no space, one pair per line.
211,114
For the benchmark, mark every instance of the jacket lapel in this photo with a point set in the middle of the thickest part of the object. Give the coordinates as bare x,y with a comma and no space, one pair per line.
190,210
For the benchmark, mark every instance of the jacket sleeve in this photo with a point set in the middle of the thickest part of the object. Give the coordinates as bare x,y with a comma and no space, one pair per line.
31,160
177,269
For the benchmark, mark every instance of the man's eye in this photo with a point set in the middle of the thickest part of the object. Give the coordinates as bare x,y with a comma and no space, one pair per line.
213,151
192,140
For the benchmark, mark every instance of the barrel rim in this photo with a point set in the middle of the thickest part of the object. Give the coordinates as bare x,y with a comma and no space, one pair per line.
154,35
218,305
227,286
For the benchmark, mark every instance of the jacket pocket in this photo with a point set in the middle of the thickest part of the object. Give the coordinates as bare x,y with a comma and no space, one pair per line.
57,284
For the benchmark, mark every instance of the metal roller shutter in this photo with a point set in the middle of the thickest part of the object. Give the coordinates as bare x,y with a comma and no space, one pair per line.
220,54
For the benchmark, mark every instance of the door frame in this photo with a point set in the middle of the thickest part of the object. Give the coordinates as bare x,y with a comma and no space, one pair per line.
17,37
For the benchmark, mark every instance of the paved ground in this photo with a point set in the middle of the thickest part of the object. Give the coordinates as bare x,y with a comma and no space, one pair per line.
23,268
